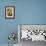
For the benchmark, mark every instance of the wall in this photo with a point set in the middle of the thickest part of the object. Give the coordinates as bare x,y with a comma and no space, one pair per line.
27,12
31,11
6,25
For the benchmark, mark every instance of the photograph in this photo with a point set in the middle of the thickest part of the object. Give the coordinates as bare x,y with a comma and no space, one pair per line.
10,12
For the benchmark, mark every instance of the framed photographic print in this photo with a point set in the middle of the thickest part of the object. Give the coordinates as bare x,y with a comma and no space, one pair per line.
10,12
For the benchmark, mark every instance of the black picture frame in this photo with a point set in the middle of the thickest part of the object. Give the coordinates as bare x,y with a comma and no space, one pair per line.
12,8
